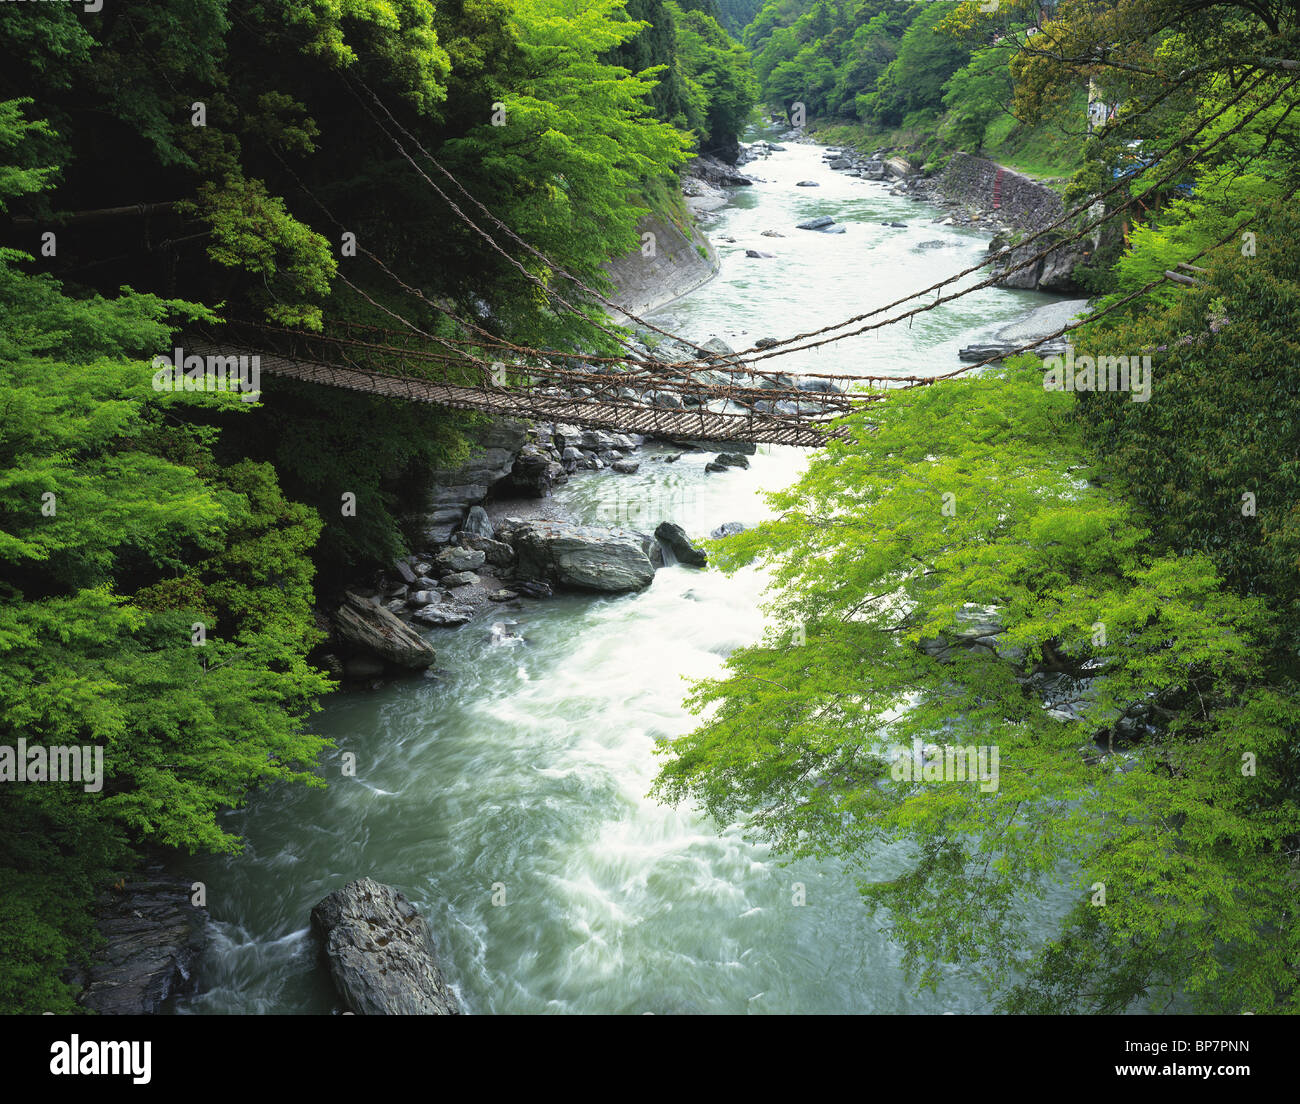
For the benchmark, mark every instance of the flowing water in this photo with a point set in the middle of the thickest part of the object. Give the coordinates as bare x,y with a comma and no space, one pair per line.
506,797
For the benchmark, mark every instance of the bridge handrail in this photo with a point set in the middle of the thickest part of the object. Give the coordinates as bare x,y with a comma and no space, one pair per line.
641,377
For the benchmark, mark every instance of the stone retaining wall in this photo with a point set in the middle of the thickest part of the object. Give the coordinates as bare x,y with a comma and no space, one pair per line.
1025,202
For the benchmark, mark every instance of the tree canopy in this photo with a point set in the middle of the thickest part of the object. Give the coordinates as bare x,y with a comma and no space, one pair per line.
1100,588
174,165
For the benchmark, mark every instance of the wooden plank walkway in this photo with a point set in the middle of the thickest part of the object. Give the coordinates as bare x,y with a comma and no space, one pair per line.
605,413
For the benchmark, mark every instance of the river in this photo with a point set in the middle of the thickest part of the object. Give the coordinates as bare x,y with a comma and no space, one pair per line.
519,773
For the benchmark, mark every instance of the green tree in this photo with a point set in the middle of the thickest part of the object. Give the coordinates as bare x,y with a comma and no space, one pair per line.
1127,589
719,69
977,94
119,530
914,80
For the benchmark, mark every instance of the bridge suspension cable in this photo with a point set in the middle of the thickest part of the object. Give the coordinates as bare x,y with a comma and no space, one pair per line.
492,243
743,358
673,369
551,264
772,351
654,371
614,410
492,341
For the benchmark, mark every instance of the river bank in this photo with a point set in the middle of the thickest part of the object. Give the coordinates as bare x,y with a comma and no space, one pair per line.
1010,205
461,563
153,931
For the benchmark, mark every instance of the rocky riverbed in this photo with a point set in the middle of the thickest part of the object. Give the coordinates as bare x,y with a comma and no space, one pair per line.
976,193
492,535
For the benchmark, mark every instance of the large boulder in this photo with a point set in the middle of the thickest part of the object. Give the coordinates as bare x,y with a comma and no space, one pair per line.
455,558
380,952
1058,269
674,536
975,353
457,490
702,444
497,553
731,460
821,386
1055,272
581,556
716,171
598,440
440,523
819,223
496,445
153,938
477,523
373,629
443,615
536,472
715,346
457,495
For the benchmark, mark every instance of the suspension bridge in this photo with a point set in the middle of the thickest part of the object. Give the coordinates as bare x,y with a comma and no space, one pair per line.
704,399
719,397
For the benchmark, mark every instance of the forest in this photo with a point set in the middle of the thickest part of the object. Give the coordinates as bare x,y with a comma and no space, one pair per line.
1109,535
127,516
171,165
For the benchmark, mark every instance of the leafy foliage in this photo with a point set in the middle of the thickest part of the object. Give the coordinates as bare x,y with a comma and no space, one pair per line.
1226,417
721,88
118,531
796,739
214,153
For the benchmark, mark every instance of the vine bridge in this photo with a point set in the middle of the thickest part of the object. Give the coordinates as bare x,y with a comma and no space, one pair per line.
704,399
713,396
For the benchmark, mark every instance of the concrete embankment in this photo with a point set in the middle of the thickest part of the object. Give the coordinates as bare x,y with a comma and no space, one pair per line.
1021,201
674,258
668,265
1024,206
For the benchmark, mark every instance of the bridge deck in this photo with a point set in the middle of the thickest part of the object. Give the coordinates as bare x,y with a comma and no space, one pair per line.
625,417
